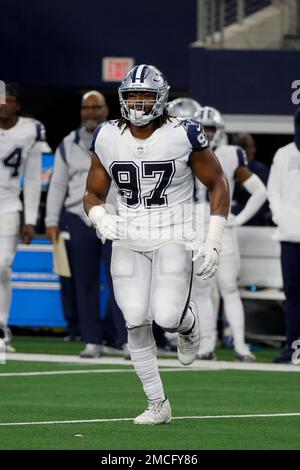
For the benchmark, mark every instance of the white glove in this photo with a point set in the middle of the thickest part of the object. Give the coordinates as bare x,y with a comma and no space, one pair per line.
210,252
211,248
109,226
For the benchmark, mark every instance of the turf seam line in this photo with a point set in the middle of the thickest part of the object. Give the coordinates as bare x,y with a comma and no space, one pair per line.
111,420
92,371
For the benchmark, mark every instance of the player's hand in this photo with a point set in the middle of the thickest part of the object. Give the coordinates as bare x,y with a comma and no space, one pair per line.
27,233
107,225
210,252
52,233
110,227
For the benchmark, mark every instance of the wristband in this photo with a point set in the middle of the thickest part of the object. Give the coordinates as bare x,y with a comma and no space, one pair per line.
96,213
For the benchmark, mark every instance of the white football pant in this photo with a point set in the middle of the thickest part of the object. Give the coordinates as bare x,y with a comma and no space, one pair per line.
226,281
9,230
152,286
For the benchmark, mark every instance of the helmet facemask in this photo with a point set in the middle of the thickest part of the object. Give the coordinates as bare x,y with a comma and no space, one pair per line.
141,112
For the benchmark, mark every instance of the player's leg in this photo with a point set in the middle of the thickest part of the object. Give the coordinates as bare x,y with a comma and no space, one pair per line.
68,290
201,295
84,250
290,265
170,298
227,282
131,275
69,304
9,229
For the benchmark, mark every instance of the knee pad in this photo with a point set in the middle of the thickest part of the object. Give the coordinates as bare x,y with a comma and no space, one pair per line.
168,317
5,272
140,337
227,283
134,315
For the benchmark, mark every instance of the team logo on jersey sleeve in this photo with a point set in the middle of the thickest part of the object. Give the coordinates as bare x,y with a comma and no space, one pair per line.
195,133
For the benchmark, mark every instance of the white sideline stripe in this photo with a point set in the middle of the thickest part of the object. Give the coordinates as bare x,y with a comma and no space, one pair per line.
86,371
197,365
112,420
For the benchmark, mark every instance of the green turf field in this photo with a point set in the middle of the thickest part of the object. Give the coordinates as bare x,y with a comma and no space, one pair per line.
96,395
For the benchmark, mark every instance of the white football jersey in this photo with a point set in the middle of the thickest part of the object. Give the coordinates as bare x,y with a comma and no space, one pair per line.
230,157
18,145
154,181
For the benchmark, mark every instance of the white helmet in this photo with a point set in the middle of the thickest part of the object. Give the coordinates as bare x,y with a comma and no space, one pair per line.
143,78
185,108
211,117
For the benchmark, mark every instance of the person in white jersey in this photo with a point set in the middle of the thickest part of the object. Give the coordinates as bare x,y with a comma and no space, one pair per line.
234,163
152,158
20,154
284,198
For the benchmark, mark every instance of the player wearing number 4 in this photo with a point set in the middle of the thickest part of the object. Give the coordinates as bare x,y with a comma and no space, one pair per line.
20,152
152,158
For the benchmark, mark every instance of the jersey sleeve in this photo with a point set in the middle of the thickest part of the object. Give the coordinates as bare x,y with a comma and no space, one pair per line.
195,134
32,184
40,132
93,144
241,157
95,141
58,186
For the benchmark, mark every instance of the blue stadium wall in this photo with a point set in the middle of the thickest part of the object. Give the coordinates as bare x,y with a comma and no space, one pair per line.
244,81
63,42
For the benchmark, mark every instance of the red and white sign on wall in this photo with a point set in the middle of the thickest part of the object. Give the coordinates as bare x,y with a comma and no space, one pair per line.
115,68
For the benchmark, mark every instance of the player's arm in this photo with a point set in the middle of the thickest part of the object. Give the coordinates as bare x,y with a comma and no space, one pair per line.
56,193
274,190
97,185
32,191
206,167
253,184
97,188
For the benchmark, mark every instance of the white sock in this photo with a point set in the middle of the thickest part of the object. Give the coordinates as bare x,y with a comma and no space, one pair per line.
5,295
145,361
202,297
234,312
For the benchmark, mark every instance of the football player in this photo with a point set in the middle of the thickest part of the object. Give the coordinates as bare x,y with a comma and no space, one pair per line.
20,154
152,158
234,164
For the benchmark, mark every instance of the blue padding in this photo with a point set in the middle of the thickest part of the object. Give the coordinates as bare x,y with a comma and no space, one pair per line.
42,307
36,308
26,261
